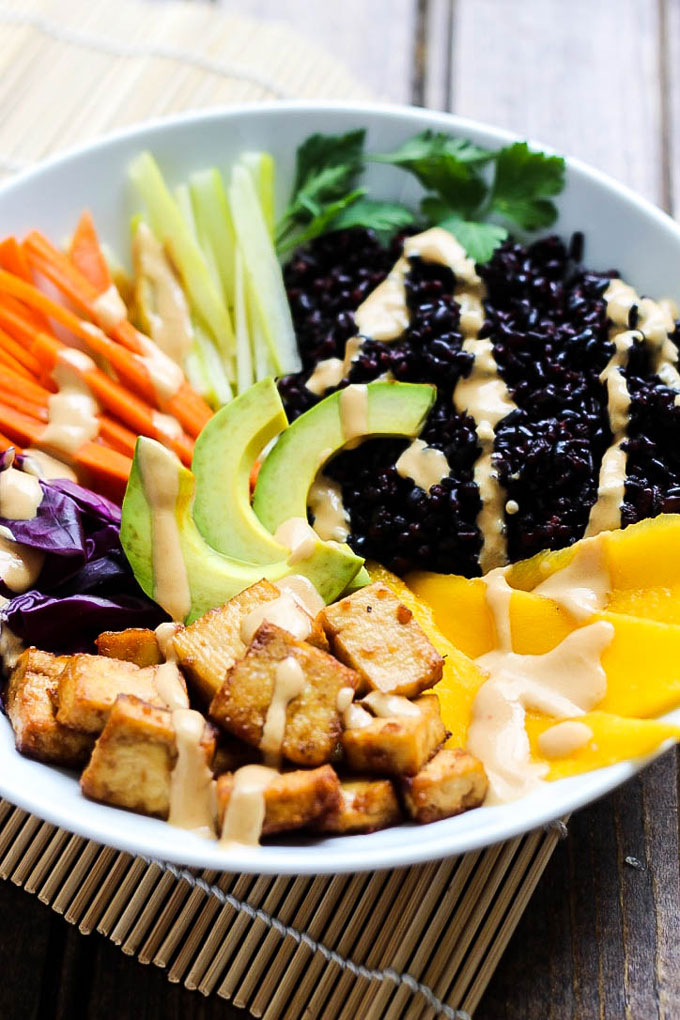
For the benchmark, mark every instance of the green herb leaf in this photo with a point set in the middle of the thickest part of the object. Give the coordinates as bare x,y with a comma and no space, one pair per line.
429,144
386,218
523,182
325,170
480,240
322,222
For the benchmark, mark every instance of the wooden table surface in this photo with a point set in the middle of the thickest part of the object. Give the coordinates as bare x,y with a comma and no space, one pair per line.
597,79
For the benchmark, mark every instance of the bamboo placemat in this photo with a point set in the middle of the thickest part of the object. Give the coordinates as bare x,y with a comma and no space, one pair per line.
414,943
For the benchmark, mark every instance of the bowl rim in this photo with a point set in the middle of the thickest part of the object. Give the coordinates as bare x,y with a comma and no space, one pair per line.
340,854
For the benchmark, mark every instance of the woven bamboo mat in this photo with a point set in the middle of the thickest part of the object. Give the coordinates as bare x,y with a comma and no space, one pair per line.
417,943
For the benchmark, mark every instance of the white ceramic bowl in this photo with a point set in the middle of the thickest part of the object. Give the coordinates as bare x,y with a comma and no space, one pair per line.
622,231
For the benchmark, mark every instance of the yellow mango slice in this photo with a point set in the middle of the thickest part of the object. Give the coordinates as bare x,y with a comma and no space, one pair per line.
614,739
661,604
645,555
642,663
461,678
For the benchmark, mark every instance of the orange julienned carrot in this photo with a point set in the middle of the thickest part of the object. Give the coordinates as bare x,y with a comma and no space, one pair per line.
20,403
9,379
12,337
86,254
11,364
117,436
13,259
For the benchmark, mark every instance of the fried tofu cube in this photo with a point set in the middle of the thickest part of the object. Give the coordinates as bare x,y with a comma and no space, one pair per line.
366,805
211,645
136,644
90,684
306,728
31,710
452,782
396,745
293,800
132,761
373,633
231,754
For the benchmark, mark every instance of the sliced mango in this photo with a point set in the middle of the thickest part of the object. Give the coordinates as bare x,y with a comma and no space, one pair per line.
461,678
614,739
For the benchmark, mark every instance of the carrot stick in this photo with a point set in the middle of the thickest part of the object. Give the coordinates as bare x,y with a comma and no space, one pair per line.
13,259
11,364
87,256
13,399
30,389
116,435
12,337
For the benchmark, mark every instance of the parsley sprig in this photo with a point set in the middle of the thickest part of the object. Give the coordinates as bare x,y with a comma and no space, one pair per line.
475,193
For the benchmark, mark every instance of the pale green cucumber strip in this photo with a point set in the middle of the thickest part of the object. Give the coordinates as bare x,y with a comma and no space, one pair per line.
170,226
394,409
215,226
263,170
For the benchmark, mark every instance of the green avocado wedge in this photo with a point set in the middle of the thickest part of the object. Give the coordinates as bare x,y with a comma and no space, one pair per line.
224,455
392,409
211,578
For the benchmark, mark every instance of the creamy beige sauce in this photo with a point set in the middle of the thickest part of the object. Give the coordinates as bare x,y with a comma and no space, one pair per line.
355,717
165,374
72,411
20,565
192,798
584,585
165,635
303,591
20,495
423,464
332,371
43,465
331,520
485,397
245,813
384,313
168,683
498,595
289,683
344,699
387,705
297,535
285,612
512,507
354,413
565,682
160,478
166,425
168,315
109,309
564,738
11,646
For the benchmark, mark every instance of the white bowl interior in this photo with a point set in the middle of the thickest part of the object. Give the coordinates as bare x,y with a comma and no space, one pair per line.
622,231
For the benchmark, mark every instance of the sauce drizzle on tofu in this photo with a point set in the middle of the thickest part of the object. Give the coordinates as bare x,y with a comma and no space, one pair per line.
289,682
387,705
285,612
161,485
192,798
245,813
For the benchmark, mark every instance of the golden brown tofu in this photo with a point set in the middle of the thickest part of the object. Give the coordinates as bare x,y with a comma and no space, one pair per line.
90,684
210,646
376,635
366,805
30,707
136,644
396,745
306,729
293,800
452,782
231,754
132,761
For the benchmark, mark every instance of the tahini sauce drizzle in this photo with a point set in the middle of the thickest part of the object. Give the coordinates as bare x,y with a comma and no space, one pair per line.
20,565
654,323
109,309
167,311
192,788
423,464
20,495
387,705
161,487
331,520
285,612
354,413
245,813
297,535
564,738
72,411
42,465
289,683
565,682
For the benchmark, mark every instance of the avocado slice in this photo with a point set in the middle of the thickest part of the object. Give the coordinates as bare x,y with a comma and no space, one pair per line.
224,454
393,409
212,577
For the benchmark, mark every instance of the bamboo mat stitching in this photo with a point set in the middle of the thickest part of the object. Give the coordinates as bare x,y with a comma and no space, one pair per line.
91,41
303,938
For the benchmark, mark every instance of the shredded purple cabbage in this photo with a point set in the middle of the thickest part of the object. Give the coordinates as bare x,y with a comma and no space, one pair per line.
86,585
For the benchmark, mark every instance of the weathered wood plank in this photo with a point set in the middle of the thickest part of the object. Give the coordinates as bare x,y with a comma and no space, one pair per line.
374,40
581,76
670,50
